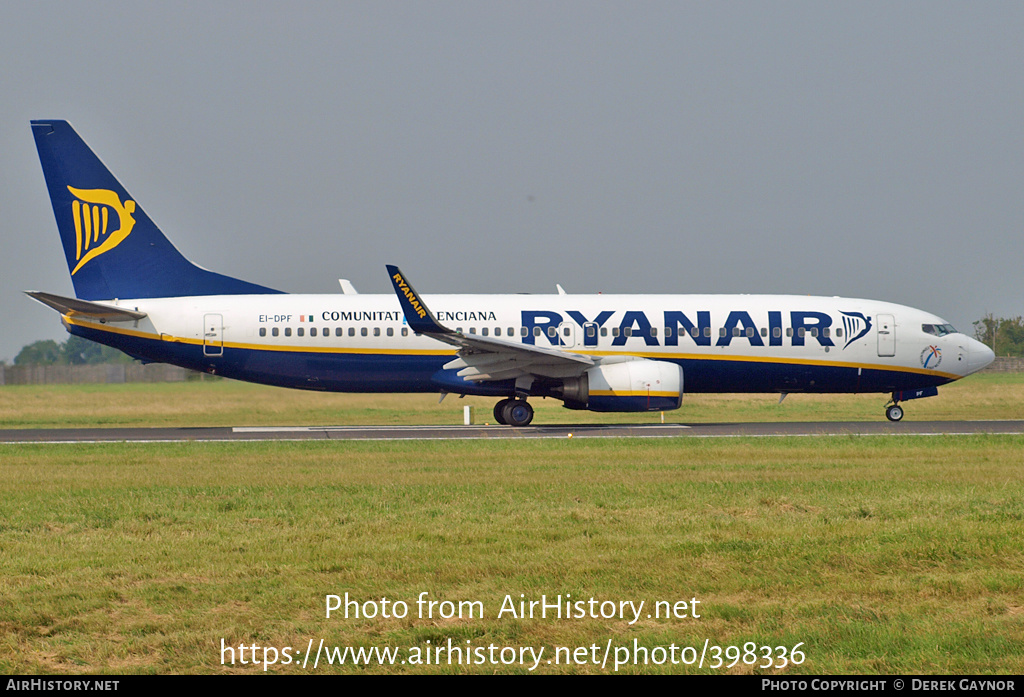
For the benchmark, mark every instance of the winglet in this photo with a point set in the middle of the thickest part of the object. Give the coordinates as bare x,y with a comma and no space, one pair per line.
421,320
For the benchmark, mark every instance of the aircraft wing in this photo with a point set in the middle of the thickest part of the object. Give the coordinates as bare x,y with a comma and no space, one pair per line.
484,358
85,308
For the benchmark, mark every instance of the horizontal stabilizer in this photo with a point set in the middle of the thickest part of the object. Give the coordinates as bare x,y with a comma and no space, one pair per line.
85,308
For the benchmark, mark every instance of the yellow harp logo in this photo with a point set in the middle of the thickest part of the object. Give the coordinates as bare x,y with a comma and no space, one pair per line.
91,211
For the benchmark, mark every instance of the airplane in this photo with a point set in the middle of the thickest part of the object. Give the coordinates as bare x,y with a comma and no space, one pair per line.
608,353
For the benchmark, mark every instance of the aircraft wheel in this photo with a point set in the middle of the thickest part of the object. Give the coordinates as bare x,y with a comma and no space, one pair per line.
518,412
499,411
894,412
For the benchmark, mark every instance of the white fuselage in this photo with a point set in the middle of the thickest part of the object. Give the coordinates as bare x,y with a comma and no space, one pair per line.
734,343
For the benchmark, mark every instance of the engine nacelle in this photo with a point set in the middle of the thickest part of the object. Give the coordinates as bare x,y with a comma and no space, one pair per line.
641,385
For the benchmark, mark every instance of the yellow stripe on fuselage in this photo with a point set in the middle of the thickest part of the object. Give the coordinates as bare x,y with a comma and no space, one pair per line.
256,347
770,359
449,352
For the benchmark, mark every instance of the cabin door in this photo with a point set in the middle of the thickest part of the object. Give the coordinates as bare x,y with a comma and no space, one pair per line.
886,335
213,335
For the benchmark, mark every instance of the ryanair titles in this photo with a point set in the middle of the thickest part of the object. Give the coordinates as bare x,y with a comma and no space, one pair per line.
410,296
633,325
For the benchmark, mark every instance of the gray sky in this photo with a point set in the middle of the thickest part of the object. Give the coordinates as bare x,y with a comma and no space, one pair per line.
860,149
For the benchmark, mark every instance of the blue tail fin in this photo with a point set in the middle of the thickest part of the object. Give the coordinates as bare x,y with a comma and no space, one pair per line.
112,247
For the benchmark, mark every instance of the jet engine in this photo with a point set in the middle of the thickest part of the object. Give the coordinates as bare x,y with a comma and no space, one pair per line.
636,385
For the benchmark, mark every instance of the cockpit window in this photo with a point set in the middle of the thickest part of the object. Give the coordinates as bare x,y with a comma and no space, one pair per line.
938,329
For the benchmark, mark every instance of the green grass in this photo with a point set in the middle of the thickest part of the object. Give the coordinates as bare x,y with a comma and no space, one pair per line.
881,555
229,403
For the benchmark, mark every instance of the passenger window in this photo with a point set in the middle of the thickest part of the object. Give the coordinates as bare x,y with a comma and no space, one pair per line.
302,332
405,331
312,331
472,330
497,331
263,331
565,331
839,332
552,332
484,331
510,332
536,331
523,331
801,332
391,331
274,331
615,331
789,331
590,331
337,331
707,332
721,332
351,331
363,331
628,331
287,331
777,332
654,331
376,331
764,331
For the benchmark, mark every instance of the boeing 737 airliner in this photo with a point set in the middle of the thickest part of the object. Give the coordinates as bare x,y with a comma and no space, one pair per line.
135,291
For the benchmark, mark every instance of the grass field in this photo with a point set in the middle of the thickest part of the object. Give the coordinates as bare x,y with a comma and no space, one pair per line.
229,403
874,554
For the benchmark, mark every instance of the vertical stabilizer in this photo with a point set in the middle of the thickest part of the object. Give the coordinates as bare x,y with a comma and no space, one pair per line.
112,248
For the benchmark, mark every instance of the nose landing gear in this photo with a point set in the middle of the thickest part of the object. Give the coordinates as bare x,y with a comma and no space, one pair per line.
513,412
894,412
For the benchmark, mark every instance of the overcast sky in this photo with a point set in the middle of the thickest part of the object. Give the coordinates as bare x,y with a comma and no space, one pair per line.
860,149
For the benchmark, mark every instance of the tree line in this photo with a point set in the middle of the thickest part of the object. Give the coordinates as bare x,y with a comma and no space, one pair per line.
1003,335
74,351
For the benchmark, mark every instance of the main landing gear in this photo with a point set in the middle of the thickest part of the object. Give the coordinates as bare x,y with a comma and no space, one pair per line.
513,412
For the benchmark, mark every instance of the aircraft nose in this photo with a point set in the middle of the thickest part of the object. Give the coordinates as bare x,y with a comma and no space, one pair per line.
979,356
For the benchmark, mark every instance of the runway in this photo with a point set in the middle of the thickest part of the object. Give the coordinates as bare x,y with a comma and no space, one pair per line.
713,430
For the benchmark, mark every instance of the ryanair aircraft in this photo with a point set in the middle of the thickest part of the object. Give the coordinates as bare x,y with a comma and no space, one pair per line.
617,353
